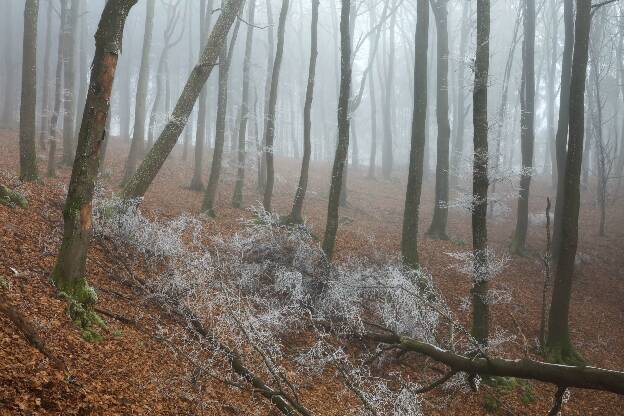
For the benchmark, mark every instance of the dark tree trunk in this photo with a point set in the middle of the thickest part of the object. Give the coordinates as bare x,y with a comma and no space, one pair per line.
145,174
563,122
342,149
437,229
269,123
237,197
409,238
69,271
267,88
527,127
137,144
480,308
69,119
28,106
558,341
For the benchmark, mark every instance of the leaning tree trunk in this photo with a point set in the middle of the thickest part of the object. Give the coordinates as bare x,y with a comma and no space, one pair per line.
269,123
137,145
237,198
28,106
69,75
558,342
527,127
69,271
480,309
342,149
145,174
409,238
563,122
437,229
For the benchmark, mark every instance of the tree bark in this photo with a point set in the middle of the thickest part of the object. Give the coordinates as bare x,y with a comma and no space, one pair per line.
342,149
145,174
409,238
45,96
69,40
387,157
69,271
28,106
558,341
54,131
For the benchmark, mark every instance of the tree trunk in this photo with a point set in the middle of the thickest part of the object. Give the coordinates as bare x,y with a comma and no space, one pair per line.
237,198
437,229
45,96
145,174
28,106
267,88
409,239
10,92
480,308
137,144
69,271
387,159
558,341
342,149
269,123
58,85
71,18
527,128
553,31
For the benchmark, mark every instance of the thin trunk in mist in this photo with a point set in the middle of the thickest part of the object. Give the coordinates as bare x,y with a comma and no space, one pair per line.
267,87
225,59
342,148
69,27
237,197
83,64
372,162
69,271
553,30
54,131
269,122
28,106
137,145
387,158
409,237
200,137
480,308
45,96
296,214
558,342
563,123
10,92
460,112
527,127
145,174
437,229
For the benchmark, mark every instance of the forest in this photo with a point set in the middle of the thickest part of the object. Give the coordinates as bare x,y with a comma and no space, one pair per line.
312,207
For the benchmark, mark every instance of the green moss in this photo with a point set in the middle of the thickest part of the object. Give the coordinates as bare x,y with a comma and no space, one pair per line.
4,283
12,198
564,354
491,403
80,302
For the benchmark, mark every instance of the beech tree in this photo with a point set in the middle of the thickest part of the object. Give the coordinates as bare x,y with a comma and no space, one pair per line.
69,41
28,107
409,236
69,270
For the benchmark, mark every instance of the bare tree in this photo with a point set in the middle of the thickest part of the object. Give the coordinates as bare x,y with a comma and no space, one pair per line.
45,100
69,41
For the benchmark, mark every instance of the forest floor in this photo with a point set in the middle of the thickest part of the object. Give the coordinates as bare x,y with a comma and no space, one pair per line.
131,372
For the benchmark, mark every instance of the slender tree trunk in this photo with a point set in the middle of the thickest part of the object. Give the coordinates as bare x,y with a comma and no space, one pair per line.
71,17
237,198
69,271
83,64
409,238
553,30
387,159
137,145
28,106
269,124
10,92
145,174
527,127
437,229
558,341
563,123
267,87
55,132
480,182
45,96
342,149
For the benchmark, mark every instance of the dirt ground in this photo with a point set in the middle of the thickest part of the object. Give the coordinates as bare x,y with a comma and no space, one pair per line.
123,374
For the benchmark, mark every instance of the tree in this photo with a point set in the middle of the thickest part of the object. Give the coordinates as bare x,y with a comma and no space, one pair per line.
527,127
69,41
237,198
269,123
387,157
409,237
296,214
480,182
342,149
137,145
558,342
437,229
153,161
28,106
200,138
267,88
54,132
225,59
69,271
45,101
